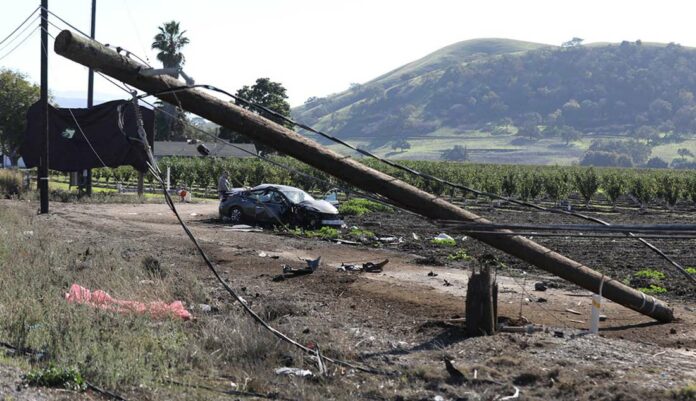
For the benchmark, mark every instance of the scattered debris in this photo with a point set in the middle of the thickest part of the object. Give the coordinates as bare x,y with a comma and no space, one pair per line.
512,397
289,271
368,267
431,274
294,372
558,334
243,228
529,329
345,241
102,300
443,237
391,240
455,375
447,283
574,312
540,286
541,300
415,236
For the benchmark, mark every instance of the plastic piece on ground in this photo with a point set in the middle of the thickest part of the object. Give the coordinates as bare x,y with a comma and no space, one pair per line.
443,236
293,372
100,299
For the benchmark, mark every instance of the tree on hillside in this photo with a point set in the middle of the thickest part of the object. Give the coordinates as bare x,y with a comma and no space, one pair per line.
269,94
401,144
573,42
16,95
170,41
570,134
684,153
457,153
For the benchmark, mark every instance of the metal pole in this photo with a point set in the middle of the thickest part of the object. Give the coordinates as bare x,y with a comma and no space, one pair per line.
90,96
43,160
93,54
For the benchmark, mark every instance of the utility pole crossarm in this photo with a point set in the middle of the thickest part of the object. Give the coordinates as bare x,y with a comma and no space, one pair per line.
253,126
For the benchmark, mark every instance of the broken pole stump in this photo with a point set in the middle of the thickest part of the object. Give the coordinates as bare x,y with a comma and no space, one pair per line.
481,304
257,128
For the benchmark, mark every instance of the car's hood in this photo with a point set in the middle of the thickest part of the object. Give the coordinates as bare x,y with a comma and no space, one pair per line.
320,206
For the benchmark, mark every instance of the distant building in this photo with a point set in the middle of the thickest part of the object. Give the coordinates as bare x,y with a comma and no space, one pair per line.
189,149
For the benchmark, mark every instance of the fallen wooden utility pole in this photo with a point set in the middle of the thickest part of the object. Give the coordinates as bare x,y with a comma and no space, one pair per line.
94,55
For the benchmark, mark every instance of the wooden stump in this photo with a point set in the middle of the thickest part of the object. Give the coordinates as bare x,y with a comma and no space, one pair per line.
481,303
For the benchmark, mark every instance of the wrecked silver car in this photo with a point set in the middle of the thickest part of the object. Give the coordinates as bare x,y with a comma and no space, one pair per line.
278,204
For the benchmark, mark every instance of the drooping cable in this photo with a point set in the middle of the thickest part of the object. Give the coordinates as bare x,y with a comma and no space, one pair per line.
19,26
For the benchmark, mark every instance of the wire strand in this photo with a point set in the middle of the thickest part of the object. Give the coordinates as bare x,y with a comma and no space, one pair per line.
19,26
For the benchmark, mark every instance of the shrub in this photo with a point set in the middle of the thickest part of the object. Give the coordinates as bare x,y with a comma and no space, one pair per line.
651,274
323,233
587,183
459,255
443,242
691,270
643,189
653,289
509,184
10,183
52,376
669,189
614,186
360,206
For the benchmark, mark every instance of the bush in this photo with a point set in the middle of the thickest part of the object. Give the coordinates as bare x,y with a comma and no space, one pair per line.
587,183
443,242
653,289
360,206
614,185
11,183
651,274
52,376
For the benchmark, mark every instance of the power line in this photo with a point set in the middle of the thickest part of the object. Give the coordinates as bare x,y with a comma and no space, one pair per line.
19,26
20,43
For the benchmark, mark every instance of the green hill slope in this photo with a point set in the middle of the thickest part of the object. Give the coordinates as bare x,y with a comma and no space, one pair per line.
481,92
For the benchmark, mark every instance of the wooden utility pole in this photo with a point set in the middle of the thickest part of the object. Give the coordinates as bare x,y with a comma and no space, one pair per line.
257,128
43,160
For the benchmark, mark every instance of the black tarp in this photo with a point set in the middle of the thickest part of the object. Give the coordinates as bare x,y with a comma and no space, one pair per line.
69,151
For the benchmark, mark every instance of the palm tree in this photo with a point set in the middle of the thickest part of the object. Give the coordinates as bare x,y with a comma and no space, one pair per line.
169,41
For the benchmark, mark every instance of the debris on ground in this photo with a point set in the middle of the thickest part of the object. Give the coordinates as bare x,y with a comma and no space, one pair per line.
540,286
243,228
431,274
289,271
368,267
443,237
390,240
294,372
102,300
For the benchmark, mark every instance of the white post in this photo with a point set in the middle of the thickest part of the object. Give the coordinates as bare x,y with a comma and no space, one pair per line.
168,184
594,316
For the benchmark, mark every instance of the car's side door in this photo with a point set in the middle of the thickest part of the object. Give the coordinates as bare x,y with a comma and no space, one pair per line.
251,203
272,207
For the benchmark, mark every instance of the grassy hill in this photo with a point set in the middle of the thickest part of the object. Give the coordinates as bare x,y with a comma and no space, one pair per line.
514,101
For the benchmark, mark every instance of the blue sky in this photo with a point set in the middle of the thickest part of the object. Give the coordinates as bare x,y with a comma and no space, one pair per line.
318,47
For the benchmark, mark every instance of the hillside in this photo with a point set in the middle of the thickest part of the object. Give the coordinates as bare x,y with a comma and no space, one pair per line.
554,100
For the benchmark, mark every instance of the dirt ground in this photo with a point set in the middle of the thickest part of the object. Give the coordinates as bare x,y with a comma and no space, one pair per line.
408,318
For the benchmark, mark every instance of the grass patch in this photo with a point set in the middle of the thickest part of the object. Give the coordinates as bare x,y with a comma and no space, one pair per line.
443,242
52,376
322,233
360,206
460,255
360,233
653,289
691,270
650,274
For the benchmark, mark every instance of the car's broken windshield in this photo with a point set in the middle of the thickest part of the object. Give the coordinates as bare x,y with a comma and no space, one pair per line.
296,196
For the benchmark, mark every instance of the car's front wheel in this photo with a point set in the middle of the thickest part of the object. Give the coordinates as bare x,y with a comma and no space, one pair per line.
235,215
